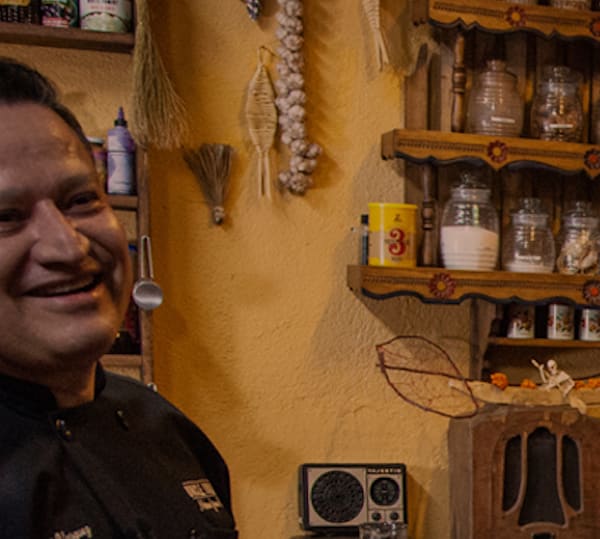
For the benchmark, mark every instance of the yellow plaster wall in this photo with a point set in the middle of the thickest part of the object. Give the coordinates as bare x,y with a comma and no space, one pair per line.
259,339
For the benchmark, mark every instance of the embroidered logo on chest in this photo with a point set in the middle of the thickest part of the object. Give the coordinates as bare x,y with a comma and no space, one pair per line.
203,493
81,533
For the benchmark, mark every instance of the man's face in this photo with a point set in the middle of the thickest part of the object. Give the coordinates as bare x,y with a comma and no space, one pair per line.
65,272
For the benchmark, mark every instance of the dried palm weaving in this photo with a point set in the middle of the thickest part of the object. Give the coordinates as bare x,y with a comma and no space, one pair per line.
371,8
158,116
261,115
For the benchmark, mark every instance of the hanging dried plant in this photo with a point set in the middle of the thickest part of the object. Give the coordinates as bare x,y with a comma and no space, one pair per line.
211,165
158,116
291,99
371,8
261,115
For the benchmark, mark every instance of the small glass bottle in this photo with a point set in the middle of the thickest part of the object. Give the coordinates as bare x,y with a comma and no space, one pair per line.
579,241
529,244
495,106
556,109
363,241
470,227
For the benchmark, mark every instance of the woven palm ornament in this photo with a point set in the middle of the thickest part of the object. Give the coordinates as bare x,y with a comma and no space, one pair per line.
261,117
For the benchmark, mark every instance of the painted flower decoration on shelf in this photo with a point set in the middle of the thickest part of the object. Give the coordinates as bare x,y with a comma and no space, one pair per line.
591,292
515,16
442,286
497,151
592,159
595,27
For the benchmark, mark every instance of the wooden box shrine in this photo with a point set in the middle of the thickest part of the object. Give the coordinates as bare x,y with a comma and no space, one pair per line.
525,472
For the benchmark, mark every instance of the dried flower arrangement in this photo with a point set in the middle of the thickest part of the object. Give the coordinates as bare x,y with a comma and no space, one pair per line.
291,99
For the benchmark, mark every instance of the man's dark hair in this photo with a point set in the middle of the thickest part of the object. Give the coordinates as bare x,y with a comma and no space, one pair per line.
20,83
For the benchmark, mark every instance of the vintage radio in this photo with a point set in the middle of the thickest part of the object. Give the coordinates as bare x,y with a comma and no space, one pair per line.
336,498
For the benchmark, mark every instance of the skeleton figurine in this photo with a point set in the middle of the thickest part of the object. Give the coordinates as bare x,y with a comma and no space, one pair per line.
554,378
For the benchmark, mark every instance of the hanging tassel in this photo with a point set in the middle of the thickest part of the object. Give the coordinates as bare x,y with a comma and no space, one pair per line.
211,165
371,8
261,115
158,116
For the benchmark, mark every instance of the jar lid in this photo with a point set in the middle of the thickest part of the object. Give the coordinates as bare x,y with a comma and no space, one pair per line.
530,213
580,216
495,73
559,78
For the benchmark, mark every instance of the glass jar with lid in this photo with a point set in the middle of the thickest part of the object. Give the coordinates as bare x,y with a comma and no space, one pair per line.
556,109
529,244
469,233
495,106
578,241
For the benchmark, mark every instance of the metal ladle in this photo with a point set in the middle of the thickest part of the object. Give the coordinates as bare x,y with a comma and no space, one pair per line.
147,294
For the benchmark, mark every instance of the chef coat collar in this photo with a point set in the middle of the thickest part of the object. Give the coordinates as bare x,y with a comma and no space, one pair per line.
36,399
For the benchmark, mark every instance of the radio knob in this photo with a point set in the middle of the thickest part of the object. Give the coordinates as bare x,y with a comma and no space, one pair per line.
376,517
394,515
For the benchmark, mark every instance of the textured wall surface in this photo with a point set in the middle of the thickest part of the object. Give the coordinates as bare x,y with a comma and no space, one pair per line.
259,339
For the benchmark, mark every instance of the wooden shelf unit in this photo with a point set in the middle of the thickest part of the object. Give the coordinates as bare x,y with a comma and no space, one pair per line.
433,146
65,38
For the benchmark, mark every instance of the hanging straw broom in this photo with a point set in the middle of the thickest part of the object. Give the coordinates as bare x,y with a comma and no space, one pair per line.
158,116
211,164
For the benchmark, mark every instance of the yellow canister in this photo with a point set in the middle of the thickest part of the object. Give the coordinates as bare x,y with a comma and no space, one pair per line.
392,234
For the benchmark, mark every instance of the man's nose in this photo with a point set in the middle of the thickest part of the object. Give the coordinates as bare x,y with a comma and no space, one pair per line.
57,238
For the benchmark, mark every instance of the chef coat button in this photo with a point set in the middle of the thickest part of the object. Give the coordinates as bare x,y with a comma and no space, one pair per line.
64,431
122,419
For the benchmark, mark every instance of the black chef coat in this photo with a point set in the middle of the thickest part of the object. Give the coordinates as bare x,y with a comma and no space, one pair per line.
126,465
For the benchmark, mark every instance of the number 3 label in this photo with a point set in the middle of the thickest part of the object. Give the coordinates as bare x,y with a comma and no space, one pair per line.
398,246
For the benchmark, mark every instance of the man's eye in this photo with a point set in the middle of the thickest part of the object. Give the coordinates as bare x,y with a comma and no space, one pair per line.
85,201
11,216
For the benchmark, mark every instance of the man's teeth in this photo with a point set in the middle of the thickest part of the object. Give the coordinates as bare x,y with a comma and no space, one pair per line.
64,288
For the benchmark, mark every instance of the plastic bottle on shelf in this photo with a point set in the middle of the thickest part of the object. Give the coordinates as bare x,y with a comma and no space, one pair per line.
120,158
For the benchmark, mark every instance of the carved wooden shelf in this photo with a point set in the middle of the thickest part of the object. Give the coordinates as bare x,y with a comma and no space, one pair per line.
66,38
438,147
506,17
541,343
122,360
123,202
445,286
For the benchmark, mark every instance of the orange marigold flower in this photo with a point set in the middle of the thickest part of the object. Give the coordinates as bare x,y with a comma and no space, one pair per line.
579,384
528,384
593,383
500,380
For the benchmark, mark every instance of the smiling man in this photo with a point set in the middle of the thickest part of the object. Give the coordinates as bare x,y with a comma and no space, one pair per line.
83,453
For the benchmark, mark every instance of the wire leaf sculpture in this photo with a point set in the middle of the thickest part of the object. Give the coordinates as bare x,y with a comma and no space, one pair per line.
424,375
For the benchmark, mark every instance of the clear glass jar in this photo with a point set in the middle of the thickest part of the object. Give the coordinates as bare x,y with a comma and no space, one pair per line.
470,227
495,106
578,241
556,110
528,246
